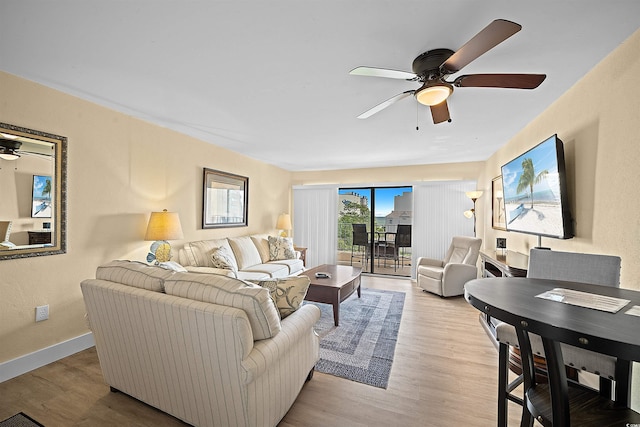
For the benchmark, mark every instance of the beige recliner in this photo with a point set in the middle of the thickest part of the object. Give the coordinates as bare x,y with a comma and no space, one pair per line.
447,277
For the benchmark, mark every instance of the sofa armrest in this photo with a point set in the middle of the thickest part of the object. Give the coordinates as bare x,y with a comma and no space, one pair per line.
429,262
296,328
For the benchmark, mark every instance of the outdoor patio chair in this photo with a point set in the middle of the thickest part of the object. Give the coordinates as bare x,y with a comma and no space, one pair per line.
360,244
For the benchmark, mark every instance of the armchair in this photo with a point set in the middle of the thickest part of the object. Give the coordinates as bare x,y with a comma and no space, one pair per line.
447,277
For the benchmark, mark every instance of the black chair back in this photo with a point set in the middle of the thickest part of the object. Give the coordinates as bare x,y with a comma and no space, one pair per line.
403,236
360,235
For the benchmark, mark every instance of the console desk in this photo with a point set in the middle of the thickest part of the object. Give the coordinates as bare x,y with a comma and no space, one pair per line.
494,264
511,264
39,237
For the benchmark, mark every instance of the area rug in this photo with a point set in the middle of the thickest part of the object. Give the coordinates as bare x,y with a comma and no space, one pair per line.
20,420
361,349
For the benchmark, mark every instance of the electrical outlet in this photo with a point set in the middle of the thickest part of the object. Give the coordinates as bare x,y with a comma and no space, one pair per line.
42,313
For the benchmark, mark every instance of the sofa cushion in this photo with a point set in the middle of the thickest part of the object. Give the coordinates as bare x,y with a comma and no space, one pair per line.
135,273
211,270
288,293
252,275
294,265
245,252
281,248
199,253
262,244
223,290
222,257
271,269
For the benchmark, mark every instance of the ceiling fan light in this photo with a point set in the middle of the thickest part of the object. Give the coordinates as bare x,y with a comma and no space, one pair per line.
9,156
434,94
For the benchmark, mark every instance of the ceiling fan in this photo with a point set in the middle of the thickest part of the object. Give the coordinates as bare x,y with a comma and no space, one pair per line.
10,150
433,67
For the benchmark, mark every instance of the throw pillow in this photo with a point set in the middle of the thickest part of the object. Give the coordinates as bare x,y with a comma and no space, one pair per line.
281,248
223,258
287,294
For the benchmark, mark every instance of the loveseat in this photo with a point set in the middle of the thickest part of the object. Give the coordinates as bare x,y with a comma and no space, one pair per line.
208,349
253,257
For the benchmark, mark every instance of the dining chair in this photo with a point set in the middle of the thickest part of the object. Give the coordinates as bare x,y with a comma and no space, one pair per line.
360,243
576,267
402,240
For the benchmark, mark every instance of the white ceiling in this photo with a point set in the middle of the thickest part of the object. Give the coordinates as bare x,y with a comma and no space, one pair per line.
269,79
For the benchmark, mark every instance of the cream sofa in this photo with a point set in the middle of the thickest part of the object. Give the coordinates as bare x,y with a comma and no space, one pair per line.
208,349
251,258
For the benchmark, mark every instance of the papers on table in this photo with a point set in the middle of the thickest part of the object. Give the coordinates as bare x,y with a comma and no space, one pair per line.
634,311
585,299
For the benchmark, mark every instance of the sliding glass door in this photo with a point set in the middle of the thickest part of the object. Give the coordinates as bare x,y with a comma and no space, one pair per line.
374,229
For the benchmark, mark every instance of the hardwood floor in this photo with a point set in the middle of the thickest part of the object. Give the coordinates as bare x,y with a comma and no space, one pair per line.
444,374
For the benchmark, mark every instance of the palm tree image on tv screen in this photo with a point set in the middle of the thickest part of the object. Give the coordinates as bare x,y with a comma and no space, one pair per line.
533,185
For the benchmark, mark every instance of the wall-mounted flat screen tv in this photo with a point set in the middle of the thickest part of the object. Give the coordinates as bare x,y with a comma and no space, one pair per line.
535,192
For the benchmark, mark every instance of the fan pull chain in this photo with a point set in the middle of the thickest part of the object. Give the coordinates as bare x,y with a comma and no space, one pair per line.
417,128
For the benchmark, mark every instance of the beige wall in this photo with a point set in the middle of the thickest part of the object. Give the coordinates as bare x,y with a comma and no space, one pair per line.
598,120
119,170
404,174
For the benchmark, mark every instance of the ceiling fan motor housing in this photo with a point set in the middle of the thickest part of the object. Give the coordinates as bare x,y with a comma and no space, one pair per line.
427,65
10,144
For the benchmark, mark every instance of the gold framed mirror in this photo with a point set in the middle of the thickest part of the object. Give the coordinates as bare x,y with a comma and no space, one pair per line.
33,190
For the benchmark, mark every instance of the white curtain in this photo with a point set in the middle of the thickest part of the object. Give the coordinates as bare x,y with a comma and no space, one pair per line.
438,215
315,223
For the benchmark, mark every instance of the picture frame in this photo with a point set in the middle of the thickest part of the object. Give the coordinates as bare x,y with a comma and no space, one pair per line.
225,199
498,217
41,196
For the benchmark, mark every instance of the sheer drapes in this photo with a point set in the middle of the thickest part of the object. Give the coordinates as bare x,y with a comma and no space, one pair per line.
438,209
315,223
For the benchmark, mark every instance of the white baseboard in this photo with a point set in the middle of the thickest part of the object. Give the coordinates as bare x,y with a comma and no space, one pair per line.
29,362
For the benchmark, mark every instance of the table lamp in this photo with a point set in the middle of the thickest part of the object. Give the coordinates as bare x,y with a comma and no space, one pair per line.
163,226
284,224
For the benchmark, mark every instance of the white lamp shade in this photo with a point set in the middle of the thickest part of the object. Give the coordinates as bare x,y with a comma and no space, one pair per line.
474,194
164,226
284,222
433,94
9,156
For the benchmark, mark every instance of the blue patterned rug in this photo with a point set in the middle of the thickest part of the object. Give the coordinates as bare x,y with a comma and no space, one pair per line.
361,349
20,420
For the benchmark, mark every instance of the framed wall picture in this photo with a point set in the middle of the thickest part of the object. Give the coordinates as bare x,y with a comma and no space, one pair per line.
497,205
41,201
225,199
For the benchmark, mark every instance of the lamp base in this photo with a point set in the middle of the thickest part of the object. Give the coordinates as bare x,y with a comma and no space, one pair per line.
160,251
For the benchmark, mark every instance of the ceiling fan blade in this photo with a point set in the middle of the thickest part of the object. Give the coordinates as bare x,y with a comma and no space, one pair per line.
491,36
383,72
440,113
509,81
385,104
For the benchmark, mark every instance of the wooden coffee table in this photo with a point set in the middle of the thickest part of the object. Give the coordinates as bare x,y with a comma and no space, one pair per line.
343,282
